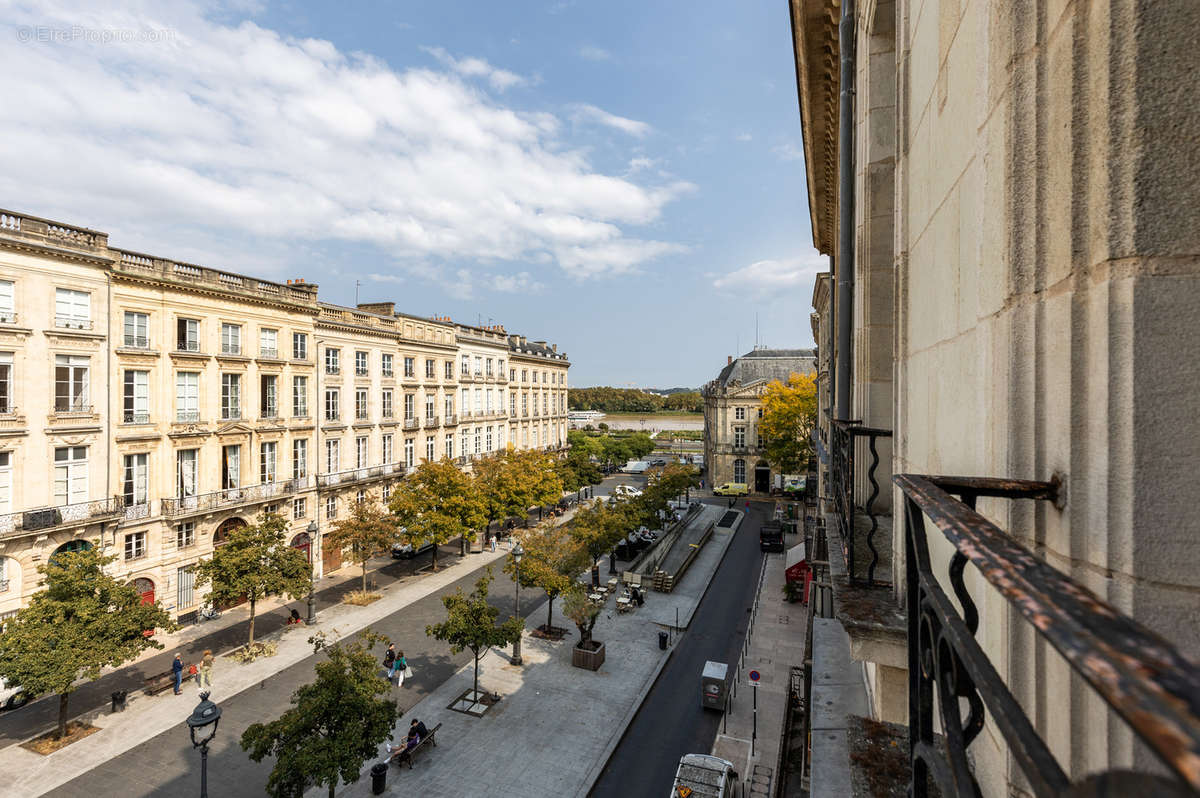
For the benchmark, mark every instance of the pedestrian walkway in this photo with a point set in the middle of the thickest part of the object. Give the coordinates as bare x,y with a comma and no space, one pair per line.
556,725
774,643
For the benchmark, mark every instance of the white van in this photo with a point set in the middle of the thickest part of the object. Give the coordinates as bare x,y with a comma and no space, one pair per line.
704,776
12,696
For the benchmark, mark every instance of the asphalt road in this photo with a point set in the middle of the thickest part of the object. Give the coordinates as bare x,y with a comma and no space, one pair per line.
671,722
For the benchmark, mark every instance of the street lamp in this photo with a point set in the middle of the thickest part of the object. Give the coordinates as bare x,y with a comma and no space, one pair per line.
312,537
202,726
517,554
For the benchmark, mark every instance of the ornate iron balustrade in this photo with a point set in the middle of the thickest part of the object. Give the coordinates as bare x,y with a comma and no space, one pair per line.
358,474
12,524
844,436
1141,676
231,497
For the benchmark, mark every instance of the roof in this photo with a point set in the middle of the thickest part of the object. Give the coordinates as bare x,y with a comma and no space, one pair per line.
768,364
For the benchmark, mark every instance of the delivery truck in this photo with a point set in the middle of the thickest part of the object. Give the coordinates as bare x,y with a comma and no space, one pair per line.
704,776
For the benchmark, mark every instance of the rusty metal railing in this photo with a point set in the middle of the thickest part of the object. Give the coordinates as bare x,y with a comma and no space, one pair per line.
1142,677
844,437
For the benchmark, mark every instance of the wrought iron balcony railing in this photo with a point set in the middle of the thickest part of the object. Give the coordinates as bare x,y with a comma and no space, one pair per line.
12,524
185,505
1149,684
847,438
359,474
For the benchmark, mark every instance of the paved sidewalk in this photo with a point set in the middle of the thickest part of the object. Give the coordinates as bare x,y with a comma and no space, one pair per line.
774,643
556,725
30,774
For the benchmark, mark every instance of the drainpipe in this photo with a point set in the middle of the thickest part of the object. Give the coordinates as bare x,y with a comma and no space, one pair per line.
845,250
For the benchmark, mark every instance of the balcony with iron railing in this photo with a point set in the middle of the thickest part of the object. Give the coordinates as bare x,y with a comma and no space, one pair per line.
8,317
412,422
359,474
431,422
134,417
232,497
861,528
451,420
136,342
62,516
72,323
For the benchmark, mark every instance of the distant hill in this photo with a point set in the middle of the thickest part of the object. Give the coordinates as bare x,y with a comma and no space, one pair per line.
669,391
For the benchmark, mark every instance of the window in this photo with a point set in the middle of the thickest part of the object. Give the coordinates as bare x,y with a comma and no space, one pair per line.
331,506
71,383
385,402
185,535
269,399
299,458
268,343
739,470
360,403
386,493
332,361
6,382
300,397
186,473
5,482
449,405
760,412
409,451
385,364
739,439
332,404
231,396
450,444
409,367
500,368
478,401
478,366
231,339
72,308
429,448
466,365
410,406
360,452
512,375
465,448
70,475
478,440
231,467
524,375
489,402
135,484
300,346
739,414
449,369
535,376
360,364
135,545
136,397
187,335
524,404
137,330
488,446
187,396
299,509
267,460
430,369
333,456
360,496
430,406
185,581
512,403
387,449
8,314
488,367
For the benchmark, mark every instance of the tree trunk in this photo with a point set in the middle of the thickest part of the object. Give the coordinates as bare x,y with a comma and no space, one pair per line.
252,602
62,714
364,576
476,674
332,787
549,612
435,548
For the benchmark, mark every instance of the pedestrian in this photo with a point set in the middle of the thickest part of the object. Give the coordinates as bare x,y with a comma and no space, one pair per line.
419,727
492,537
402,669
177,669
747,505
389,660
204,677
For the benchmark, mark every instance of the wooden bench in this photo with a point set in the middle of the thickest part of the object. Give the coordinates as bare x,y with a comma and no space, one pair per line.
161,681
403,755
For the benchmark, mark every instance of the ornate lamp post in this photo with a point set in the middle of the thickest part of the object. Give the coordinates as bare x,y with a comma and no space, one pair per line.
517,554
312,538
202,726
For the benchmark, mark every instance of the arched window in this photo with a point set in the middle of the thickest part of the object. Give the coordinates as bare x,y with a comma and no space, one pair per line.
304,543
146,589
739,470
221,536
71,545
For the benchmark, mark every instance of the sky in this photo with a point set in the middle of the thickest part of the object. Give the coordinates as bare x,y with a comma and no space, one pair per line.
624,179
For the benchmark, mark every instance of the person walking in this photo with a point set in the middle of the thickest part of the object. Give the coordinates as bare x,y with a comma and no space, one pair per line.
204,677
492,537
402,669
389,660
177,669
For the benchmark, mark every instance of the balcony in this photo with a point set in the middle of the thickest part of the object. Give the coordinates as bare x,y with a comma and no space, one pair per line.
360,474
136,342
412,423
361,372
72,323
232,497
268,353
431,422
1145,681
232,350
451,420
332,370
187,416
8,317
130,417
868,560
65,515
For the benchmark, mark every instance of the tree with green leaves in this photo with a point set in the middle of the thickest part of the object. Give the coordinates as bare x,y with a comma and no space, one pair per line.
615,451
789,413
84,620
583,612
640,444
601,526
335,724
366,532
437,503
553,558
513,481
470,623
255,562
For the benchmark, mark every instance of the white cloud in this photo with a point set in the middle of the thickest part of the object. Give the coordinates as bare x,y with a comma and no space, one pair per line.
228,136
583,112
744,137
788,152
522,282
773,277
501,79
593,53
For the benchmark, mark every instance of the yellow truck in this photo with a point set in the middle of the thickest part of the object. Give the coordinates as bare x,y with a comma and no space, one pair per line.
731,489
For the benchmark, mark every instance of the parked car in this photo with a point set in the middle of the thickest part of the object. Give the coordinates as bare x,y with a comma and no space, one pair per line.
626,490
12,696
731,489
407,552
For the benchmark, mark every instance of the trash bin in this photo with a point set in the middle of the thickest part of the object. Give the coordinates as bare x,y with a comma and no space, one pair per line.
378,778
118,700
662,641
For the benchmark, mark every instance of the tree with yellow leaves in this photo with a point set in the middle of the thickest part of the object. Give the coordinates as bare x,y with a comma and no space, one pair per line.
789,413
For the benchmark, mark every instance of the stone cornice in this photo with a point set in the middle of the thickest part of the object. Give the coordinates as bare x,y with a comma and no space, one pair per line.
815,48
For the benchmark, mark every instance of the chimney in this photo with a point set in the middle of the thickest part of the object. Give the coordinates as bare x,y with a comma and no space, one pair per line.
380,308
555,348
728,359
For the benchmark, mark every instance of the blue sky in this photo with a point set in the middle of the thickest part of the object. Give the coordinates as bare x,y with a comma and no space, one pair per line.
623,179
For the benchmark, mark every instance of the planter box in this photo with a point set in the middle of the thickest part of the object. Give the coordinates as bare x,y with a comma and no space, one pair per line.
588,659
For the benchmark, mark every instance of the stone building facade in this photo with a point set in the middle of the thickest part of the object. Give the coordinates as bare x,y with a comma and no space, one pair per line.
1022,280
149,406
733,451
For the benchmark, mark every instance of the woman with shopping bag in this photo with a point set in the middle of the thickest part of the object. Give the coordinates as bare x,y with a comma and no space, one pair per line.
402,670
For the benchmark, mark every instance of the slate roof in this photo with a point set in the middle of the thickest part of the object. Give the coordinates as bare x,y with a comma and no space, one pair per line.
768,364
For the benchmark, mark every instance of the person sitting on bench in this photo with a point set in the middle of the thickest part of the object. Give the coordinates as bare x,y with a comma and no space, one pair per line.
419,728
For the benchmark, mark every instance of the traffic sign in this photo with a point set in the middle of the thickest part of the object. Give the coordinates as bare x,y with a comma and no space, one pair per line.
754,676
